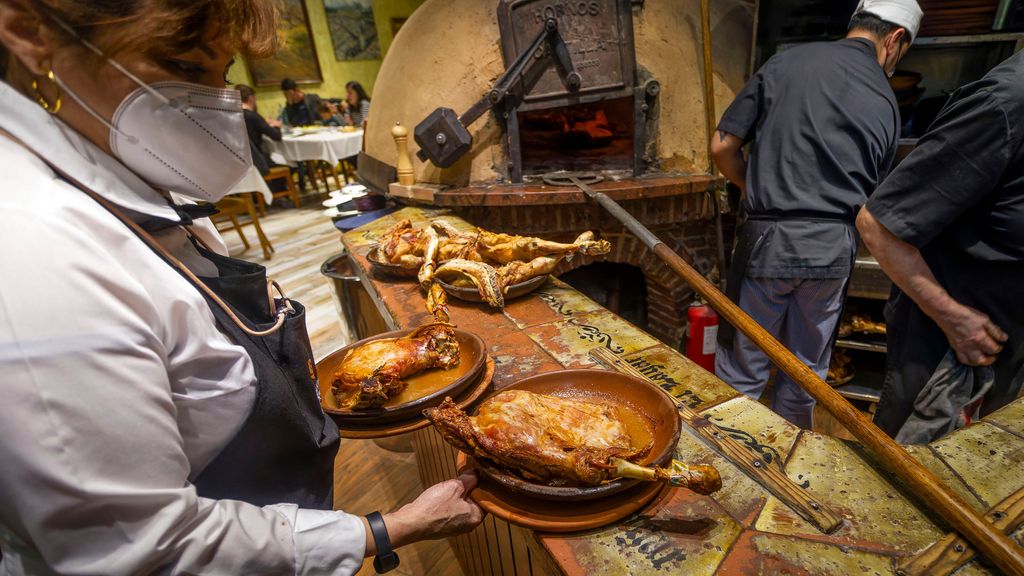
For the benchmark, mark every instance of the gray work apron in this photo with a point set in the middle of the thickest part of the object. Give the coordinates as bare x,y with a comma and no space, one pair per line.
749,235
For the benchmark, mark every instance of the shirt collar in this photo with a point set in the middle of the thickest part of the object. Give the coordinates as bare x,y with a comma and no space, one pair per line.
867,45
58,144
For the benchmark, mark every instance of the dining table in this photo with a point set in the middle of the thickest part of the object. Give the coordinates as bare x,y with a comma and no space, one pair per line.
328,144
253,183
314,144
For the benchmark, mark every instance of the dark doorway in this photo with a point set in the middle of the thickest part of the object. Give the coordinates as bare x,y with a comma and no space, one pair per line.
620,288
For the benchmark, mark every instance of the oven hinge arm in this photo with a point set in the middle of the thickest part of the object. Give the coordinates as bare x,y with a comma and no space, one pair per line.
443,138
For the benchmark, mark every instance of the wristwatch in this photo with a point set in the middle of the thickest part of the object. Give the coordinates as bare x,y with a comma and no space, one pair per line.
386,559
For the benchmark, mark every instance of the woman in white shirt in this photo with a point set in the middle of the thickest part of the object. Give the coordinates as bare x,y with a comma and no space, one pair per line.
159,411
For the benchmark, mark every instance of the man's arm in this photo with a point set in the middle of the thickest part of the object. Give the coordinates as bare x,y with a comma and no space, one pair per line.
265,129
974,337
727,152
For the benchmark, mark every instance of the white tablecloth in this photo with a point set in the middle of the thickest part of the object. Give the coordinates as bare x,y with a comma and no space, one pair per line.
328,146
253,182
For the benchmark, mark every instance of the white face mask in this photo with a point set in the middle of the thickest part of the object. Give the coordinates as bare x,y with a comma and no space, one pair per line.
178,136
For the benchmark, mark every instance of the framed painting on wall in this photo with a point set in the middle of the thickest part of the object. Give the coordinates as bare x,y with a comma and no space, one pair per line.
353,29
296,58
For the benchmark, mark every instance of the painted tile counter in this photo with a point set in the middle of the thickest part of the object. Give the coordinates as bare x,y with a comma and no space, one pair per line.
742,529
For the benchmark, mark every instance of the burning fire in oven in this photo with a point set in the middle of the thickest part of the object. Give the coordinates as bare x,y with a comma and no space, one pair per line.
580,137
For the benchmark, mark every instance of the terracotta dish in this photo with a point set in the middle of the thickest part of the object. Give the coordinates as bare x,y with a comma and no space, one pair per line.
389,269
477,390
648,412
540,515
471,294
424,390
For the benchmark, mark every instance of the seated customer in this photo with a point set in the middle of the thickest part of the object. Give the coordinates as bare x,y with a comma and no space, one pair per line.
301,107
257,127
327,113
358,103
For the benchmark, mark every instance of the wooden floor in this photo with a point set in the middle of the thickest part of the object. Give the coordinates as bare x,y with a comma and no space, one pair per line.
367,477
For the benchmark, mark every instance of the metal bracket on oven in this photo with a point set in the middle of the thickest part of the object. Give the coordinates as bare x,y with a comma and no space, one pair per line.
443,136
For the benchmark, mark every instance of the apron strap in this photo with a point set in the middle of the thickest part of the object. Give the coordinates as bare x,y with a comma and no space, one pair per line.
282,311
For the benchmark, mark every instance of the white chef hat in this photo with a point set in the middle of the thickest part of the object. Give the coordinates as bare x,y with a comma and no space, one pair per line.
905,13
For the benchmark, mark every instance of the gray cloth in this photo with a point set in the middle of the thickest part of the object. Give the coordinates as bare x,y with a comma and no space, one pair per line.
802,314
824,126
939,408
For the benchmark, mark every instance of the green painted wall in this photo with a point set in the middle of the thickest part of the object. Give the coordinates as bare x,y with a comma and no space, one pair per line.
335,73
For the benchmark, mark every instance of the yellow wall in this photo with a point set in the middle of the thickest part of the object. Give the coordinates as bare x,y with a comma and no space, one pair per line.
335,73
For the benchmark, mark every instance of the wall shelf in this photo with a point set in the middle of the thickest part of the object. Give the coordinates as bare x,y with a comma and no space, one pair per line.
860,345
969,39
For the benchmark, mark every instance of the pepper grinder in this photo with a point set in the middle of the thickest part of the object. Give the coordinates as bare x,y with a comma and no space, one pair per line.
406,176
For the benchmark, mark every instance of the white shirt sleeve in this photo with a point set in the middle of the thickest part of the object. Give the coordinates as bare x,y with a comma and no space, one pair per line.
94,477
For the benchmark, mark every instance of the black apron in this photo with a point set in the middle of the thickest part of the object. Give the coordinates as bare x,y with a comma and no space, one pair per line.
285,449
749,235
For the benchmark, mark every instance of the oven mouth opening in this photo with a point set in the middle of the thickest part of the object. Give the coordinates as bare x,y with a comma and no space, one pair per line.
580,137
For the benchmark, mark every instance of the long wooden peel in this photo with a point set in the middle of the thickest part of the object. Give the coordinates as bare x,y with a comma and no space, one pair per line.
951,552
771,477
930,491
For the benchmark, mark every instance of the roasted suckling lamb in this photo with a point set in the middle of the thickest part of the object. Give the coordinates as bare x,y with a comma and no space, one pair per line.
372,373
489,261
558,441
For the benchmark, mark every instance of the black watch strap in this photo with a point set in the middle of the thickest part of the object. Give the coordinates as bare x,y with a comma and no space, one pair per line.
386,559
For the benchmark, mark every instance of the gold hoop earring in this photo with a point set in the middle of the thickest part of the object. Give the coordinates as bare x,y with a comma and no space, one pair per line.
55,106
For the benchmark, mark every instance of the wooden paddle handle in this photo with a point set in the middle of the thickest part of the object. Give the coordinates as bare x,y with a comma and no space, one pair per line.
989,540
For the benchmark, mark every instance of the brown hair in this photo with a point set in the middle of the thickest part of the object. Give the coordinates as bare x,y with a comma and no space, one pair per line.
245,92
173,25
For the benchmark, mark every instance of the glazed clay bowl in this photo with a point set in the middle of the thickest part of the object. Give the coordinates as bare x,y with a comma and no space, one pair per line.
388,268
649,414
471,294
425,390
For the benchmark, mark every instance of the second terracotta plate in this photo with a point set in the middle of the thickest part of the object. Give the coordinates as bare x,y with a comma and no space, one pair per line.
424,390
475,392
566,517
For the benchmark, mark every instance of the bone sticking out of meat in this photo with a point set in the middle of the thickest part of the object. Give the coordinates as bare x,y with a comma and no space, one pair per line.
374,372
437,303
699,478
558,441
483,276
431,247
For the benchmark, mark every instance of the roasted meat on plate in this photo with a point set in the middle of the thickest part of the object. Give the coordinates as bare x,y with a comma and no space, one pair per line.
559,441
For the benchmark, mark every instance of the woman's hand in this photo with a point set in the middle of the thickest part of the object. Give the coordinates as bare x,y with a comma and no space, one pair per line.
972,334
442,510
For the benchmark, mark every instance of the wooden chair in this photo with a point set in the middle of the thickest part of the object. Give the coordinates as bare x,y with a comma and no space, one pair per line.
230,208
291,190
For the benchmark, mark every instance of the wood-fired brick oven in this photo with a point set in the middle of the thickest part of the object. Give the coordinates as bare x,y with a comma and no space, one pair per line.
602,112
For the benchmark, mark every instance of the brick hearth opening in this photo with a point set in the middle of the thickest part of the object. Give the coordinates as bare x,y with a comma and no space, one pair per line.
678,209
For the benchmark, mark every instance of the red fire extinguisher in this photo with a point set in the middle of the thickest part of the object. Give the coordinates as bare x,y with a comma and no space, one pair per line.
702,335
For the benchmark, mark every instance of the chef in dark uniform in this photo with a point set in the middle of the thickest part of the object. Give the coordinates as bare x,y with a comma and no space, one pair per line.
160,412
948,227
822,124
